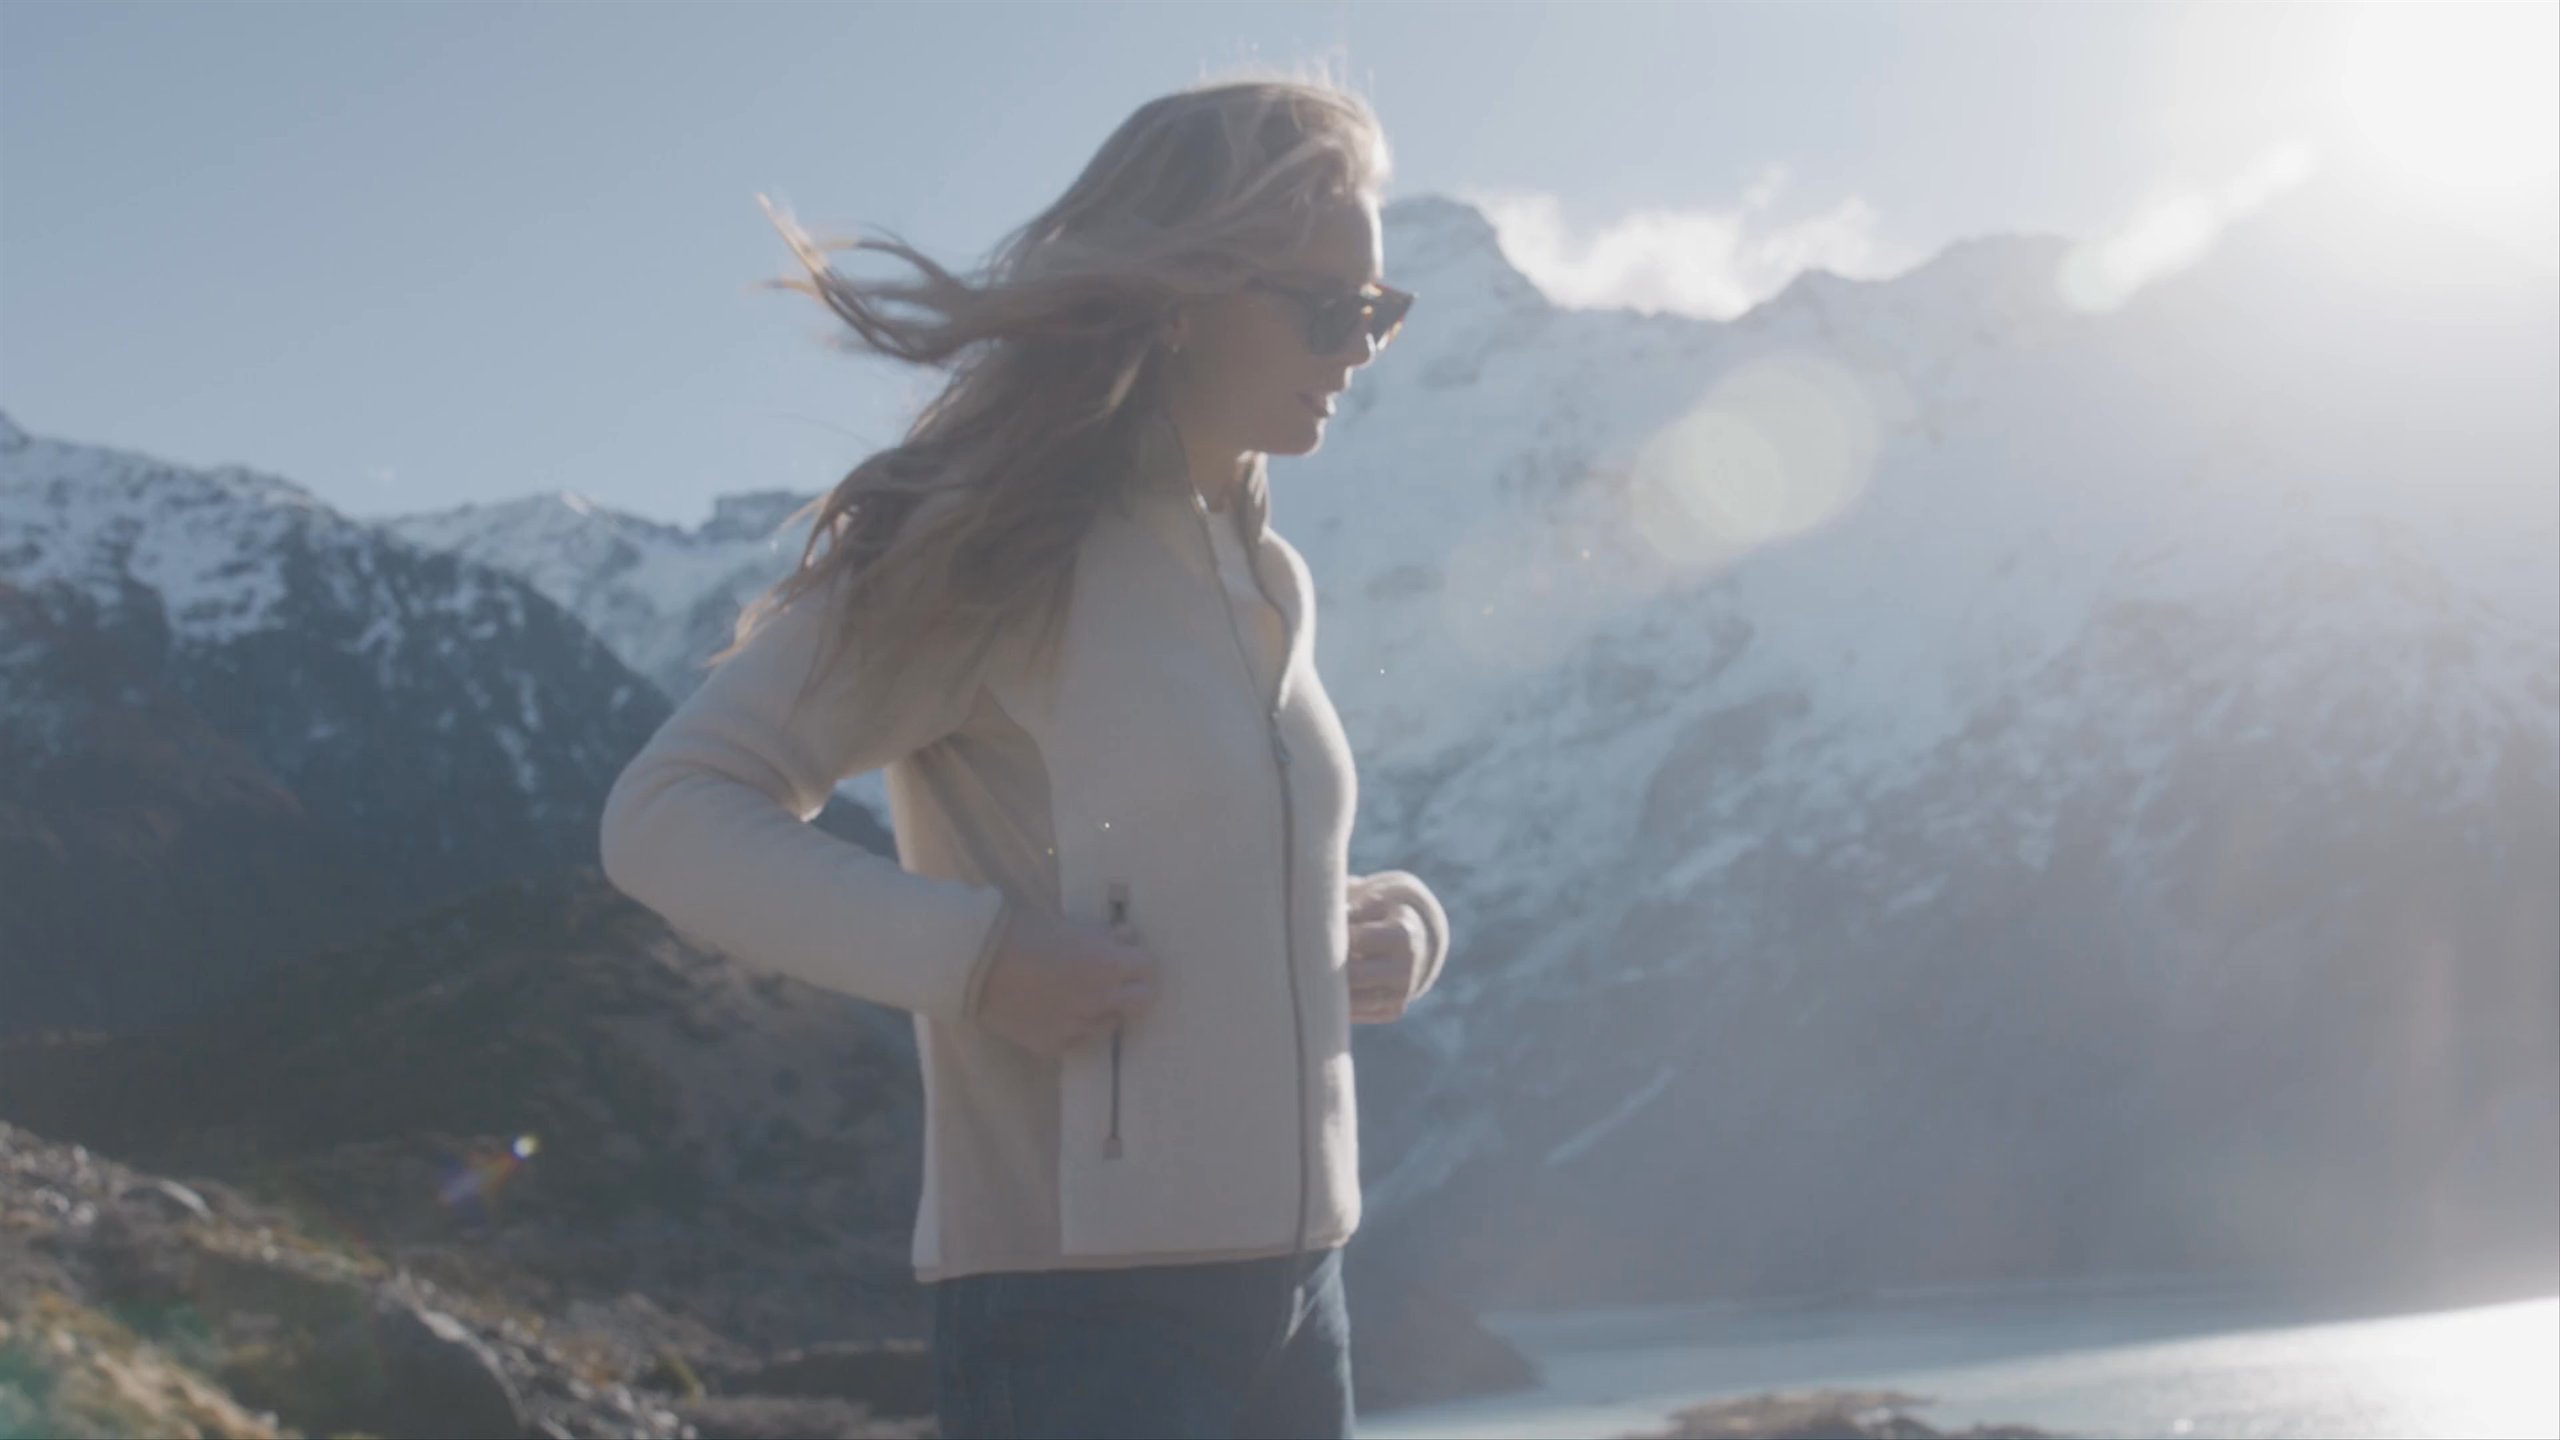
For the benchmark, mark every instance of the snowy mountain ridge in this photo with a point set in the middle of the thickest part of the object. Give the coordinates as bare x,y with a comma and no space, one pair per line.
655,593
1880,506
241,724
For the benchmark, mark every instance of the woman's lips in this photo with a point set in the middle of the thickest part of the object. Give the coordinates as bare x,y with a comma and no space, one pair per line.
1323,408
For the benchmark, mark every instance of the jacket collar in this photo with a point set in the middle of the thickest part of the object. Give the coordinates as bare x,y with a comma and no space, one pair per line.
1164,472
1163,498
1165,501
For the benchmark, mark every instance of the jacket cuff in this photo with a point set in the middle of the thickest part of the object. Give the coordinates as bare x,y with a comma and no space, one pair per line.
1404,886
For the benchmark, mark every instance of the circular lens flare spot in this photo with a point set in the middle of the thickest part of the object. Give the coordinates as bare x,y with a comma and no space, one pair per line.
1780,446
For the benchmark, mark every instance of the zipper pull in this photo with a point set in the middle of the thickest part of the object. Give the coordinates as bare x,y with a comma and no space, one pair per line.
1118,911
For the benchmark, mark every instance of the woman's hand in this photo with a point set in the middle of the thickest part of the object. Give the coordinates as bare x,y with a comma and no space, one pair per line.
1056,983
1387,941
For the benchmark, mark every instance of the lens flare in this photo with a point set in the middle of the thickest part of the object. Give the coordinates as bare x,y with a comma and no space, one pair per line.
474,1182
1780,446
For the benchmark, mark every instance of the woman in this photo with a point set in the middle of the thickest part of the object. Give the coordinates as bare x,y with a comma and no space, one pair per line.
1057,615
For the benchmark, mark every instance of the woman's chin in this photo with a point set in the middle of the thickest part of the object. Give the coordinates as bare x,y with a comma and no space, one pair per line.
1303,440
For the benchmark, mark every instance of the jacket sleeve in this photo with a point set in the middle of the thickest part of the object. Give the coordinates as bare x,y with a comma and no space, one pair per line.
708,824
1400,886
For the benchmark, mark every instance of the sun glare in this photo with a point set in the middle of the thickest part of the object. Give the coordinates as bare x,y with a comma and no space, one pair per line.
1783,444
2461,95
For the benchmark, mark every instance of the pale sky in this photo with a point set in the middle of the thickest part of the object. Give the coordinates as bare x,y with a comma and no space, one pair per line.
414,255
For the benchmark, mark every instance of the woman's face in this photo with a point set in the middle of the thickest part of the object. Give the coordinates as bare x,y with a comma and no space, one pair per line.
1246,376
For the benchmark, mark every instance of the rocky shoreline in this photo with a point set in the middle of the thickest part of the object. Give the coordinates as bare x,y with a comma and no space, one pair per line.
1821,1415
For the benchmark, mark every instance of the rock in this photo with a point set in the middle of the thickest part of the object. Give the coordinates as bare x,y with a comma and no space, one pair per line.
344,1358
439,1379
176,1201
1821,1415
791,1417
888,1377
1413,1345
192,1307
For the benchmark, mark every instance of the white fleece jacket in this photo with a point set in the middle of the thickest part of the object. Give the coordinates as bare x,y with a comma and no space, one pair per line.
1158,756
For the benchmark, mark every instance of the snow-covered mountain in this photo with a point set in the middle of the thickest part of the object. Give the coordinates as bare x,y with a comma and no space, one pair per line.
665,598
1924,758
662,596
240,724
1922,753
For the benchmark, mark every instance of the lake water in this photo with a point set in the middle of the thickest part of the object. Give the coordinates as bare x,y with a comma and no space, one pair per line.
2171,1360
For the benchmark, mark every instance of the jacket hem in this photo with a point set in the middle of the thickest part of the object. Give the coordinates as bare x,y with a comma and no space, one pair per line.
954,1269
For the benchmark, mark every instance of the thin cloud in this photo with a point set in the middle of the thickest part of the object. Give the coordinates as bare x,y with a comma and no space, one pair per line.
2173,233
1714,264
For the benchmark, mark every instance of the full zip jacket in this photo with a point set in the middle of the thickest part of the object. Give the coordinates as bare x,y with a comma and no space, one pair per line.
1152,778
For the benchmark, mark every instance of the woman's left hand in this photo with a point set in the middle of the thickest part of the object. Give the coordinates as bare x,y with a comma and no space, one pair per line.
1387,941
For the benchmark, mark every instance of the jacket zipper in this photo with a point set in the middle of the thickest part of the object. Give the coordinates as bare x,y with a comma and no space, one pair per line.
1288,859
1119,912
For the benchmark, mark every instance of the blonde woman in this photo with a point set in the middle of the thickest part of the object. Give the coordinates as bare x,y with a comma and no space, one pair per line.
1057,615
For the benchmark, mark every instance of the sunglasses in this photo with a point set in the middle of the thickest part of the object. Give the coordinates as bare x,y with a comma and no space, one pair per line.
1330,319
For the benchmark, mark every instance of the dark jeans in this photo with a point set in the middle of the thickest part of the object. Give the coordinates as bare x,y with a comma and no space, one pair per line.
1227,1348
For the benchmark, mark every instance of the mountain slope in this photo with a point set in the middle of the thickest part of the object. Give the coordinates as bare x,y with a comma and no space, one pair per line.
330,727
663,598
1934,783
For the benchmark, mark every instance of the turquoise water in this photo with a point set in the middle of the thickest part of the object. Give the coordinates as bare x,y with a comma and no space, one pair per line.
2170,1361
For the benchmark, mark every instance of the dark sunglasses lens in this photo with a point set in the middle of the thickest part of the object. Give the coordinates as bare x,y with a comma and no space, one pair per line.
1332,325
1388,317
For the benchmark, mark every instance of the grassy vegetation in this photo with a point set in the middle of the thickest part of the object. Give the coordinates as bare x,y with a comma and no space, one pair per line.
70,1370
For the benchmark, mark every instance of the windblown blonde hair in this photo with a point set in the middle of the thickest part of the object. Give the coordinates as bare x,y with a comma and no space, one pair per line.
969,526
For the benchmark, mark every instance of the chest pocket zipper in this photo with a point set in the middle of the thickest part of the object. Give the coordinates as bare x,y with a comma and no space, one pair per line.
1118,912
